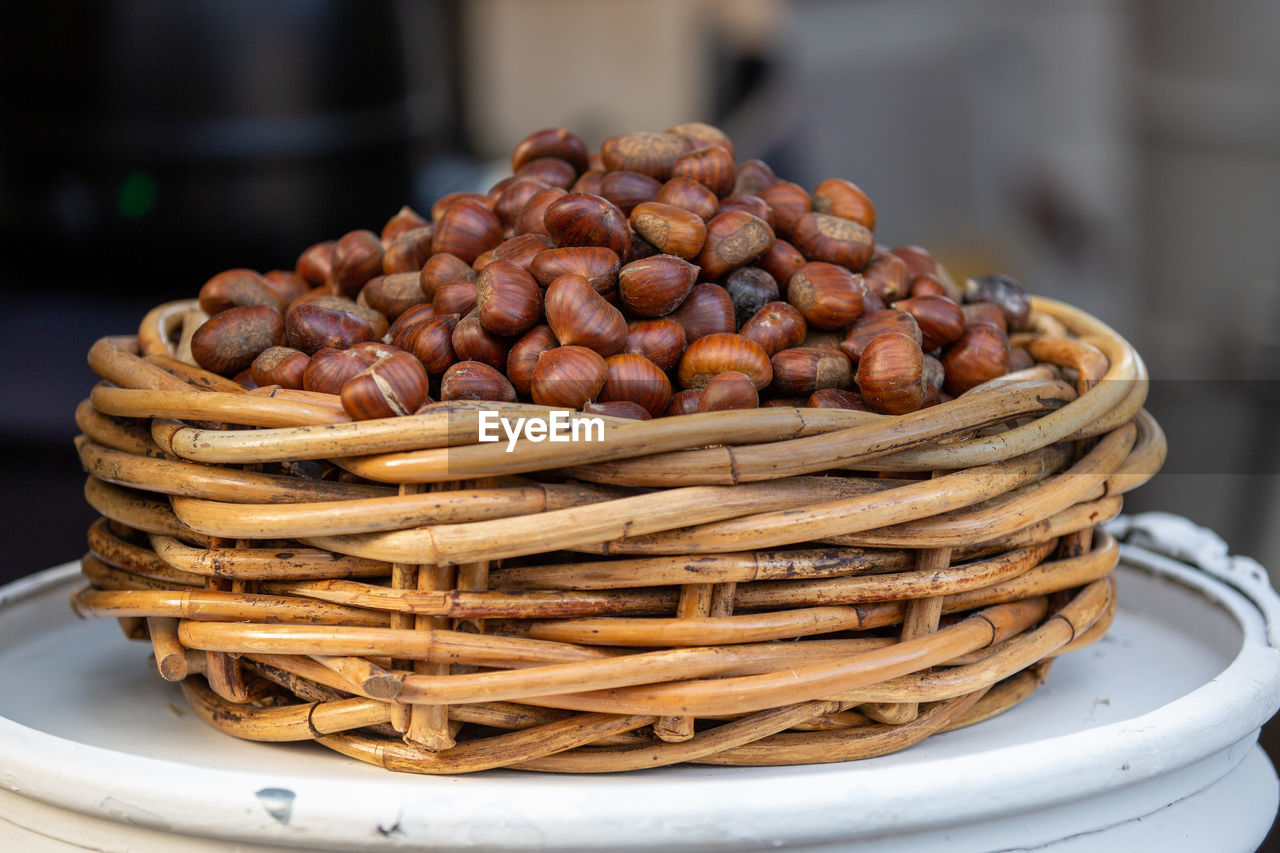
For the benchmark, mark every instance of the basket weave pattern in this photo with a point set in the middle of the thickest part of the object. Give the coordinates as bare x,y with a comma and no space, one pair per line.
774,586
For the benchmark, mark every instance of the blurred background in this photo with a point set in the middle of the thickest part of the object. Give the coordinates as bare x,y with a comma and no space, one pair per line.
1124,156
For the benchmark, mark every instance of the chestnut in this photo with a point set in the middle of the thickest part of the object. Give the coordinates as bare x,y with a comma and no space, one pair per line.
508,299
405,219
598,265
800,371
281,366
581,317
229,341
513,197
579,219
466,228
841,198
524,355
721,352
314,263
689,195
618,409
652,154
733,239
530,218
670,229
552,171
331,321
836,398
567,376
473,380
870,326
727,391
821,237
701,135
519,250
392,295
981,354
287,285
941,321
707,310
455,297
656,286
752,176
408,251
684,402
891,375
235,288
887,277
628,189
711,166
473,342
330,369
661,340
357,257
551,142
750,288
1003,291
750,204
789,202
829,296
395,384
637,379
775,327
441,269
430,341
782,261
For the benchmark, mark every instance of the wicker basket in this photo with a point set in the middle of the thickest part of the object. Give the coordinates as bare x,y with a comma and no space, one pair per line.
774,586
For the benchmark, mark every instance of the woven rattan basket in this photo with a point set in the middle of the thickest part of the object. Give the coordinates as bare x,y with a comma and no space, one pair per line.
774,586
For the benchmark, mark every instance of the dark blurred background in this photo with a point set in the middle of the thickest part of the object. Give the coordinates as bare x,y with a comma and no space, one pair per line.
1124,156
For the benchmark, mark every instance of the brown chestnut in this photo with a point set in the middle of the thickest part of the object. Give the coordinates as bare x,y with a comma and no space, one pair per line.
691,196
618,409
392,295
454,297
288,285
671,230
551,142
733,239
775,327
656,286
357,257
474,380
661,340
841,198
567,376
330,369
728,391
627,189
635,378
530,218
552,171
408,251
416,314
750,288
405,219
524,355
430,341
684,402
442,269
314,263
836,398
752,176
829,296
941,321
281,366
870,326
466,228
578,219
581,317
782,261
710,166
652,154
598,265
236,288
331,321
821,237
789,202
1003,291
891,375
980,355
701,135
887,277
717,353
708,309
750,204
395,384
508,299
473,342
800,371
229,341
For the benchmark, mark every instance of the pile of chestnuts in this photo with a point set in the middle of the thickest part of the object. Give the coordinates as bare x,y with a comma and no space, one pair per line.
656,277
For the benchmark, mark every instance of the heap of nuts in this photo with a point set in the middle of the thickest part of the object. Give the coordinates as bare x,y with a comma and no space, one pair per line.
656,277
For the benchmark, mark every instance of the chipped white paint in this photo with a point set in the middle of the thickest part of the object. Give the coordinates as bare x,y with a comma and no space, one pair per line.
1145,741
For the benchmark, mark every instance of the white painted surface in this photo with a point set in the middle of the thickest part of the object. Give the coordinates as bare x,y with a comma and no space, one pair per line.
1148,735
